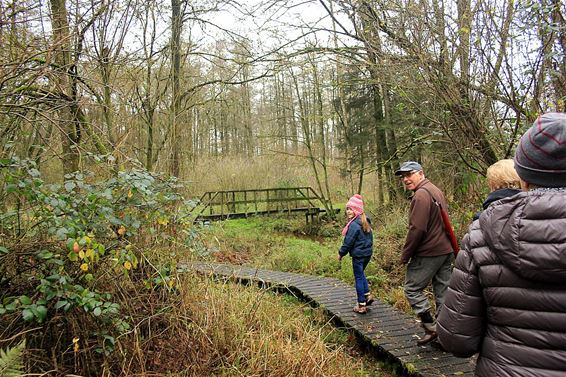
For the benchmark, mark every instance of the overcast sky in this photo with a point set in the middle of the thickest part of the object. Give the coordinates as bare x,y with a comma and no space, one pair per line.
279,21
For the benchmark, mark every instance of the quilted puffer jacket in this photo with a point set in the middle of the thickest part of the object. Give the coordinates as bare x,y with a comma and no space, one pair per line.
507,294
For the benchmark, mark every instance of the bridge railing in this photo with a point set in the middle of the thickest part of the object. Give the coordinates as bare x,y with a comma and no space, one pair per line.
239,203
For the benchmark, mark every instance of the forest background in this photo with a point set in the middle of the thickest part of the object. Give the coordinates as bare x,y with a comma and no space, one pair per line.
116,115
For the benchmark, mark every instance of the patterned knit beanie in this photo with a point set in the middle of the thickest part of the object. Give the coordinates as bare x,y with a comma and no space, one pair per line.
356,204
540,157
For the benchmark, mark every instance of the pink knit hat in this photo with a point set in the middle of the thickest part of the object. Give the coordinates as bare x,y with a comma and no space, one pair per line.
356,204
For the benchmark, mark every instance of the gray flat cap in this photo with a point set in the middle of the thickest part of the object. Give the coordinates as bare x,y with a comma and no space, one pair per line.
408,166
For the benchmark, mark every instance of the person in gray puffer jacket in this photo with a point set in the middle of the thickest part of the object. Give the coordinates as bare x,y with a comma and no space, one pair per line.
507,294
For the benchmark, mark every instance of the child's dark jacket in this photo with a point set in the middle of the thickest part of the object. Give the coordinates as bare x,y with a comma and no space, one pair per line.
356,242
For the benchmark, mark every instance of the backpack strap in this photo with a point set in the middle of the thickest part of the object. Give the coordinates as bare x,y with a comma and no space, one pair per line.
432,197
446,221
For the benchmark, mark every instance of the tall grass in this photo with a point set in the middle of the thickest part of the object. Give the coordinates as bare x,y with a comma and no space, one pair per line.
238,173
224,329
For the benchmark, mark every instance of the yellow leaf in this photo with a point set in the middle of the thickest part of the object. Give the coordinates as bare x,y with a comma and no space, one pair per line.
84,267
89,253
130,194
82,254
122,230
127,265
76,344
162,221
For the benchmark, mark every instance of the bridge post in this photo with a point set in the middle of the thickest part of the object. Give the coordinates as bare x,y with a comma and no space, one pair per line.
312,213
255,201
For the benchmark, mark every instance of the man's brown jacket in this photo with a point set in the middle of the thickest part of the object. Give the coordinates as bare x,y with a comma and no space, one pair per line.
427,236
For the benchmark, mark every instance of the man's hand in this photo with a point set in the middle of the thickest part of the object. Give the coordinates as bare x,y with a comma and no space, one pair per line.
339,257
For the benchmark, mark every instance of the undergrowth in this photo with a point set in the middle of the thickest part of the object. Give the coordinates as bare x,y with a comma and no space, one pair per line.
89,284
226,329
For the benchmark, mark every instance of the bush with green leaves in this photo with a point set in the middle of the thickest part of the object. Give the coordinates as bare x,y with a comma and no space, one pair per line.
65,245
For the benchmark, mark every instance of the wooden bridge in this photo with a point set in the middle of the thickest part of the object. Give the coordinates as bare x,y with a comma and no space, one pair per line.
387,330
220,205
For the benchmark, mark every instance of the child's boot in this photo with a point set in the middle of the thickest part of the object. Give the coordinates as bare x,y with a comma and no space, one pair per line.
361,308
369,298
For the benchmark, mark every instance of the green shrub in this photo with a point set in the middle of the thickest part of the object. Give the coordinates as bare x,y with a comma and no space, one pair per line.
69,248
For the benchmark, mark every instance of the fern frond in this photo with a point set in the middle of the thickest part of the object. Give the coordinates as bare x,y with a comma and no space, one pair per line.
11,364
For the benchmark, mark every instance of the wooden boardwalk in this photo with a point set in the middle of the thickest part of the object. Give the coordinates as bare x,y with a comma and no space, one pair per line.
391,331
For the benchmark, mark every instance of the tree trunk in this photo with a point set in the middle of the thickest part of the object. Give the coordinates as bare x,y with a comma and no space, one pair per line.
319,114
67,115
384,158
176,27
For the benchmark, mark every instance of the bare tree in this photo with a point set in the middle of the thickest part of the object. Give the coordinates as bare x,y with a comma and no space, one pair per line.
457,61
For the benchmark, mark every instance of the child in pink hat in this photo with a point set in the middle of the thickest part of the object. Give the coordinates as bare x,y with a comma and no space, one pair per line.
358,242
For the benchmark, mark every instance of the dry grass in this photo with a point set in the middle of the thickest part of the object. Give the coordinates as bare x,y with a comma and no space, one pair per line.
237,173
224,329
196,328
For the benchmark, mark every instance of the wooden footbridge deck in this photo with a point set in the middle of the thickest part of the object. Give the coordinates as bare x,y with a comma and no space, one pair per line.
389,330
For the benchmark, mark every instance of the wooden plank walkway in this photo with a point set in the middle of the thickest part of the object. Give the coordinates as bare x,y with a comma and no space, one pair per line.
391,331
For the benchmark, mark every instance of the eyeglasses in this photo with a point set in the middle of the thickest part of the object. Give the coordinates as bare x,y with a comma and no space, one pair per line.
407,174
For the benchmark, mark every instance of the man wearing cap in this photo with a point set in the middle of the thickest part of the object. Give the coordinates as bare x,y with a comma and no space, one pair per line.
427,251
507,295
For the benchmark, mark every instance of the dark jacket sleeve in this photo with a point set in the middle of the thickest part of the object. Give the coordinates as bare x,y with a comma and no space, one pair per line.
356,242
461,323
418,223
350,238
